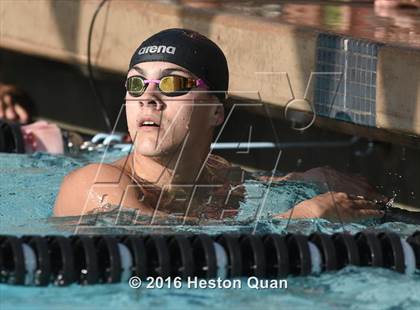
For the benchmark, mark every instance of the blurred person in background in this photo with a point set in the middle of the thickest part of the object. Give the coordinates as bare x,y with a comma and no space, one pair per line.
18,134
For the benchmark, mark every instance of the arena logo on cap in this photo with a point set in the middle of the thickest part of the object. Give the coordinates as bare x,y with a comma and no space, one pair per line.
161,49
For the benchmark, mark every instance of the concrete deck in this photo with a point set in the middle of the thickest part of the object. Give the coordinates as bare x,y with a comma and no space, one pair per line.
273,50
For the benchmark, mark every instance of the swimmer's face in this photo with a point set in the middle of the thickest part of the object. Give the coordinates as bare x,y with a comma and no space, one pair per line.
189,118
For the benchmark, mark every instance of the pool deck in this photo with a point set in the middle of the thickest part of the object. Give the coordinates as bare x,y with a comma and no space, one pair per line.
278,52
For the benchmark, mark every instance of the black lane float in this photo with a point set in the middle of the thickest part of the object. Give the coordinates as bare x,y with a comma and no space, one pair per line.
59,260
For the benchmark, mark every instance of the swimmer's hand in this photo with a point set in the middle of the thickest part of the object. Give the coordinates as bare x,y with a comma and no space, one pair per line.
14,104
329,179
336,207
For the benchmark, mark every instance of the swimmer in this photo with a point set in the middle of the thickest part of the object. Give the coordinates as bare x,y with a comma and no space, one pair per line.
176,86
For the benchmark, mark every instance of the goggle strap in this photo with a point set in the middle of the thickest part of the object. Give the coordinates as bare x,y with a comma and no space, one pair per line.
199,83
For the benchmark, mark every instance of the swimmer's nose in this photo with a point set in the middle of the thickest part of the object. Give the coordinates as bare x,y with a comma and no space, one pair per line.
152,103
150,98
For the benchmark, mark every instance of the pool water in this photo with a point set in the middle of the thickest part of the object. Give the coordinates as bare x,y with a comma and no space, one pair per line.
28,187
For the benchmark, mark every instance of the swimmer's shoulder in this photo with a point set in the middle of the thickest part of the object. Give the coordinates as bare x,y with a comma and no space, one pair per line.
75,193
98,173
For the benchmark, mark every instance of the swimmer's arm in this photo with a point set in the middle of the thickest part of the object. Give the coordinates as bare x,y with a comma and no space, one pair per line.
336,207
331,180
93,187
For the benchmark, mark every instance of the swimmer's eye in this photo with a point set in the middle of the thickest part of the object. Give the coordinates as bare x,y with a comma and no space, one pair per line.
171,85
175,85
135,86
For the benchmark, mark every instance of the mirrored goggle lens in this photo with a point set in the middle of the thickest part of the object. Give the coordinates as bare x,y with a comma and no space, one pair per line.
135,86
175,85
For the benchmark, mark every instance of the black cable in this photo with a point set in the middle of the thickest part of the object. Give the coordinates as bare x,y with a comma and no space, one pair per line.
96,93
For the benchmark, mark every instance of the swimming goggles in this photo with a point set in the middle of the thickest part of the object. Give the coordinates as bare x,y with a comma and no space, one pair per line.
171,85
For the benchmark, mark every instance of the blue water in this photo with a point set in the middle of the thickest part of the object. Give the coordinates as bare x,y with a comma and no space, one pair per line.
28,187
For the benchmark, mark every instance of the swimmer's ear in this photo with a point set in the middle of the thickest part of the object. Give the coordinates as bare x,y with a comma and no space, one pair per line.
218,114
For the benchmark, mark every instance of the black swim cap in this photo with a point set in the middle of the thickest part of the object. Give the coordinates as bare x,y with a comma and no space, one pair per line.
190,50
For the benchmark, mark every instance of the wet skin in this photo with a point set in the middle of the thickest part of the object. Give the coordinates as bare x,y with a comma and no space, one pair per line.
172,156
